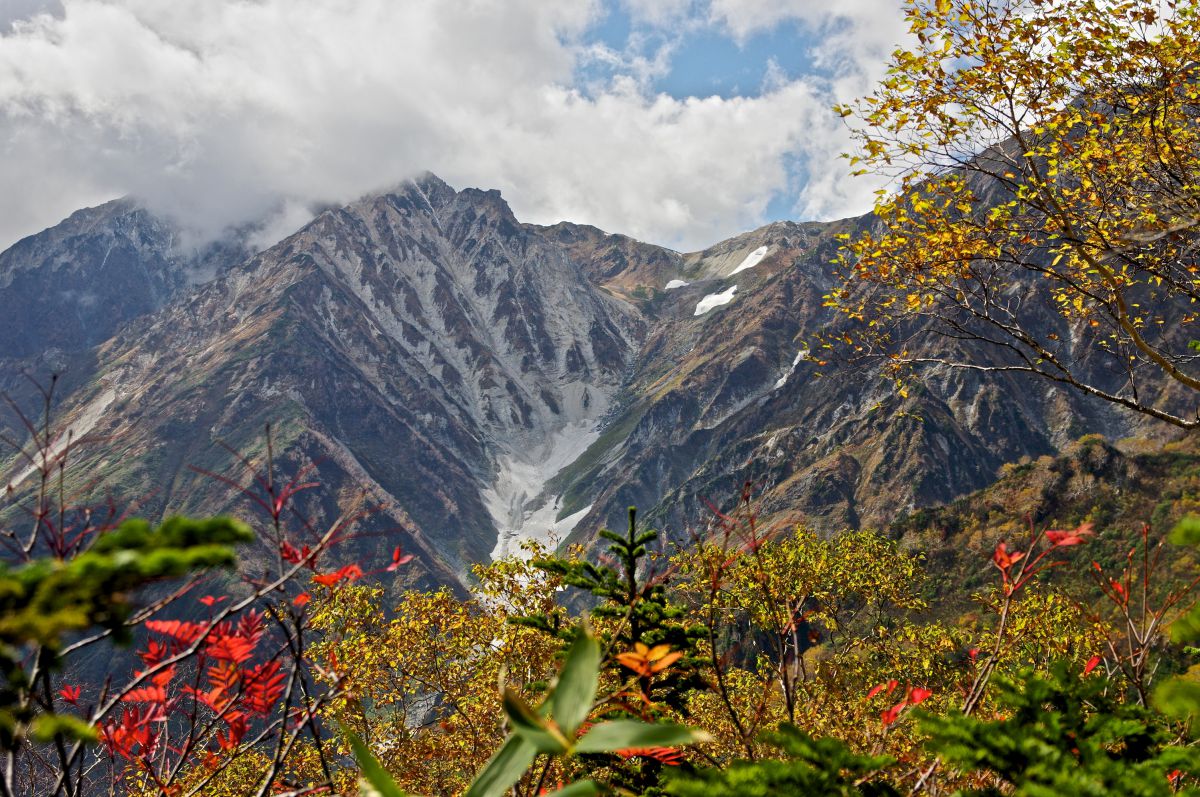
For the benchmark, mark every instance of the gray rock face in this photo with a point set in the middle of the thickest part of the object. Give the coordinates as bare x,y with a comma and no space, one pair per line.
484,381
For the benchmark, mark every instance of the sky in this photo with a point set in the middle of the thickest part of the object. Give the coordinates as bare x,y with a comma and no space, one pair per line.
680,122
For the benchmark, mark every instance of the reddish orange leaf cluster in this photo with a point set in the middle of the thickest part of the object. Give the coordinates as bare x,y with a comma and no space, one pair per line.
237,692
399,558
347,573
1014,576
669,756
293,555
913,696
648,661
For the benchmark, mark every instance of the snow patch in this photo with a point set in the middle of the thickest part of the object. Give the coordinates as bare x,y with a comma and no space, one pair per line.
752,260
517,502
800,355
715,300
673,284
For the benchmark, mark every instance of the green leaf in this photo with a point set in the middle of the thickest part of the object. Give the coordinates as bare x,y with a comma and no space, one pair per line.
47,726
504,769
529,726
372,772
571,700
621,734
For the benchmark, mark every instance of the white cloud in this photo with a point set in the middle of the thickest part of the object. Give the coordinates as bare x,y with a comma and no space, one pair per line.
659,13
219,111
854,34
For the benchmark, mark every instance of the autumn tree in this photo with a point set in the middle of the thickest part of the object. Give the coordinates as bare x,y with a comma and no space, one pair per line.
1044,214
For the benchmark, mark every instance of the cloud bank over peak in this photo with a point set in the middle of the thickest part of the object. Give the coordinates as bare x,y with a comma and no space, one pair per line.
222,111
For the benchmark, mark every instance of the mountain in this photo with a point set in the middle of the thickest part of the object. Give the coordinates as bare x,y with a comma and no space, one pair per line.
416,343
482,380
729,395
72,286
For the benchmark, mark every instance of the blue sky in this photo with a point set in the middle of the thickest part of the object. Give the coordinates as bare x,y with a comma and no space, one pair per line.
677,121
706,60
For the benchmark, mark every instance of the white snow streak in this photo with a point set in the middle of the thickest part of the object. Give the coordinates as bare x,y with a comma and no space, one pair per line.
715,300
800,355
752,260
513,500
673,284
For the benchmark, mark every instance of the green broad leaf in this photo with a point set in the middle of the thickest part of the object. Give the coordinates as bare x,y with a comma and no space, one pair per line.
526,723
504,769
621,734
47,726
520,713
571,700
583,788
372,772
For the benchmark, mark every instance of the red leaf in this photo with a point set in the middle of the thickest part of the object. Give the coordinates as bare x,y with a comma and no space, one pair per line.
237,729
1092,663
294,555
347,573
231,648
130,732
302,599
147,694
1119,589
1005,560
223,680
70,694
209,600
918,696
1064,539
163,677
290,553
890,686
185,632
264,686
889,716
664,755
250,627
398,559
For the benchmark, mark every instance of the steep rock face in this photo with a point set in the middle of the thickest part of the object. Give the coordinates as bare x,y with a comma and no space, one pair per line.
421,344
